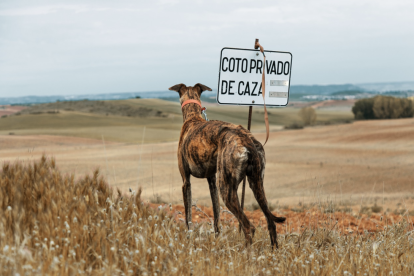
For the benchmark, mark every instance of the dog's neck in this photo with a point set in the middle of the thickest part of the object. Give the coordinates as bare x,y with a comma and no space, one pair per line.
191,111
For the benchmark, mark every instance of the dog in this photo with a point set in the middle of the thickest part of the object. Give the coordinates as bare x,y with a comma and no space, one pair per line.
210,148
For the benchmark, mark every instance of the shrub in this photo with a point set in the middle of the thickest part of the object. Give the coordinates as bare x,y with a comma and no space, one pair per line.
363,109
376,208
383,107
308,115
294,125
392,108
157,199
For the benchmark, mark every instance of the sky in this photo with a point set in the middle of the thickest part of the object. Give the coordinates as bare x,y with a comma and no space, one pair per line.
90,47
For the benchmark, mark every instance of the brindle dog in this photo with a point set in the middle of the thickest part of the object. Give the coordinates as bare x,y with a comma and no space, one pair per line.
209,147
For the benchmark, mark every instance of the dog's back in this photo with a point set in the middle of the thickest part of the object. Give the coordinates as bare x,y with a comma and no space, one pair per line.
201,142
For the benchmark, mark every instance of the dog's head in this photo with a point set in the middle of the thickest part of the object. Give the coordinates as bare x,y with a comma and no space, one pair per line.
189,93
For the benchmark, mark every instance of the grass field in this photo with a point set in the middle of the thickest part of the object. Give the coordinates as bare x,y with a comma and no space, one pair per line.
52,224
345,189
114,127
366,161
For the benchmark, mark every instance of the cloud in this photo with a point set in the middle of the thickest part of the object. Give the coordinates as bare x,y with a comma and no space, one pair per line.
104,46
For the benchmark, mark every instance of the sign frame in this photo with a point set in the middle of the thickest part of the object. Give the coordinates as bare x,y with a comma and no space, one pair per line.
267,92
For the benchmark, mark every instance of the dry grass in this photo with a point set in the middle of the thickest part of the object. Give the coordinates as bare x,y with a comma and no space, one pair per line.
52,224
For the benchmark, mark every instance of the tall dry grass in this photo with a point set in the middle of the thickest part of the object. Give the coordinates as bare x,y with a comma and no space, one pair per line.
52,224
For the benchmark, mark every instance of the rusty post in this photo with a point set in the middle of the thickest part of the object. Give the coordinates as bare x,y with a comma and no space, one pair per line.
249,123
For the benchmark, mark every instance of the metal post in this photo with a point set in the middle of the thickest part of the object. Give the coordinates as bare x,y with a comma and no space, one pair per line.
249,123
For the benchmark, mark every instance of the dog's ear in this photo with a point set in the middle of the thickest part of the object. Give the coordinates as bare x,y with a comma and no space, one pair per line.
202,87
177,87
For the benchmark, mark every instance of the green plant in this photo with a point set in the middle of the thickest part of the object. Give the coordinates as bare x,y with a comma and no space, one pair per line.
362,109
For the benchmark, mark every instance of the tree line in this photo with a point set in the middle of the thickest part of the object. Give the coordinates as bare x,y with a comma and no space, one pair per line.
383,107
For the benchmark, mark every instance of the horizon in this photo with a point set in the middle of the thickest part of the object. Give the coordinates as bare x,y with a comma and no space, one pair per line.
213,90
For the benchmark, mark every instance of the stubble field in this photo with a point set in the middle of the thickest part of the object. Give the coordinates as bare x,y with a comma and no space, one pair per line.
346,190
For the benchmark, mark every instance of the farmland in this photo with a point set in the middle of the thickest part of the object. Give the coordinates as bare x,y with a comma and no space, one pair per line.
345,187
368,161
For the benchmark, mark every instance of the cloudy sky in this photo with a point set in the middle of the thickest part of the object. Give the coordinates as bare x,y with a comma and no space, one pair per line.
79,47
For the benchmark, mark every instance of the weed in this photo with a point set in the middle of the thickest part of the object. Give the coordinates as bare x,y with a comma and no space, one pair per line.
400,211
346,210
376,208
157,199
294,125
297,210
308,115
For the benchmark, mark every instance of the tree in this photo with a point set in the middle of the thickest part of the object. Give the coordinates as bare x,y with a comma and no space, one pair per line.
362,109
308,115
383,107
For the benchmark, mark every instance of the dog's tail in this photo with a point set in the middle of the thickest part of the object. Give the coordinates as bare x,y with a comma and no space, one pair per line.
278,219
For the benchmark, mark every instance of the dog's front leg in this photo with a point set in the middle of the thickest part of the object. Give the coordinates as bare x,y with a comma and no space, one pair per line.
187,201
215,201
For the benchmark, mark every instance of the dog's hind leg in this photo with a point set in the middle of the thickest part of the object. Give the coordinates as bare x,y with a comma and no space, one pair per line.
231,165
256,184
230,198
215,201
255,177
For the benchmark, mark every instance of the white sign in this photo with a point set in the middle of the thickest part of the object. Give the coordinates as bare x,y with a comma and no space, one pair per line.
240,77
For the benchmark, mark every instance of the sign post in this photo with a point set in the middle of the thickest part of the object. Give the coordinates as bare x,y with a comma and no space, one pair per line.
240,80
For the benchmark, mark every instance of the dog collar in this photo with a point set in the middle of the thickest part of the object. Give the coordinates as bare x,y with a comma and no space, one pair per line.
191,101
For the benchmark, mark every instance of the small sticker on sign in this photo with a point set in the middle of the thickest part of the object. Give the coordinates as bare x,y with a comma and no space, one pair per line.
278,94
279,83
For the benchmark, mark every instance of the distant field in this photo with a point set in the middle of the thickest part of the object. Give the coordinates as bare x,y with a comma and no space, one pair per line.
358,163
366,159
124,120
352,164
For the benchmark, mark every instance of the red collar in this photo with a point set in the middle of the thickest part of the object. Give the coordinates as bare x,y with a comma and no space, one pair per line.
191,101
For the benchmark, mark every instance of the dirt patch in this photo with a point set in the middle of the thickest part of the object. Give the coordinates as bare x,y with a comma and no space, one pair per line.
27,142
6,110
334,104
326,105
313,218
